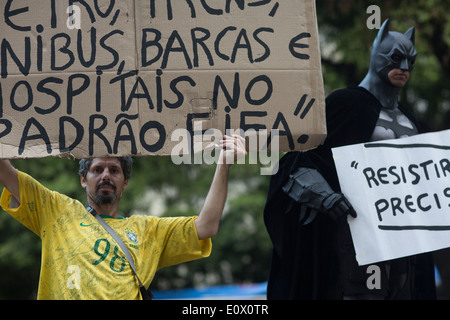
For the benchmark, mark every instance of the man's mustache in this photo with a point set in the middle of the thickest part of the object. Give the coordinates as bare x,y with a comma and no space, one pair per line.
105,183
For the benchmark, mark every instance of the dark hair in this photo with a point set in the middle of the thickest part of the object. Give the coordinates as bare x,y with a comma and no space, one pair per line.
125,162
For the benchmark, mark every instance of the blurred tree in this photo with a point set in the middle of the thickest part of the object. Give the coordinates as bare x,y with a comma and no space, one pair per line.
19,260
346,43
241,251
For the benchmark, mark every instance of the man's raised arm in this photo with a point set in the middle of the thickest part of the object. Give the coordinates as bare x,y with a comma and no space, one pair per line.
207,223
8,178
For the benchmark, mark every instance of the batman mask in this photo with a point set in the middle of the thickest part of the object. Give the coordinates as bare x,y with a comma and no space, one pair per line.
390,50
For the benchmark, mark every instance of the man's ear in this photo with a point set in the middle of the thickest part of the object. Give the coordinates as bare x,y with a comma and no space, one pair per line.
83,181
125,184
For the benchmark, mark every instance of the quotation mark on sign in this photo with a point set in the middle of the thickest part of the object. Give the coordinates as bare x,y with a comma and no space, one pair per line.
354,164
303,138
300,105
274,10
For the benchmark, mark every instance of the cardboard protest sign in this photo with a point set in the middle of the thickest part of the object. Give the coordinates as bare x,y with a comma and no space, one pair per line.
400,190
92,78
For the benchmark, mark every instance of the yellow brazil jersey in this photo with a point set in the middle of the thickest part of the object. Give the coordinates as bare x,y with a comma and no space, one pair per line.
80,260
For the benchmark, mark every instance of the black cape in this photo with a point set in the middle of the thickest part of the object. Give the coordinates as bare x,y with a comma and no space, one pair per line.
308,260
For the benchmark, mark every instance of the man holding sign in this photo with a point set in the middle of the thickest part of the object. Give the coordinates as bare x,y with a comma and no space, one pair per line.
314,256
80,260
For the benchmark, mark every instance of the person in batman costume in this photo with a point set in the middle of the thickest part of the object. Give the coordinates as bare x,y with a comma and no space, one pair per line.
306,214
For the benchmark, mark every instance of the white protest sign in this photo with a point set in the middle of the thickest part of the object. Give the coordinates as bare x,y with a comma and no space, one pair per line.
400,190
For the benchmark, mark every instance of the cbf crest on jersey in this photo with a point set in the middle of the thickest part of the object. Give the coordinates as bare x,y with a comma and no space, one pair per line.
132,236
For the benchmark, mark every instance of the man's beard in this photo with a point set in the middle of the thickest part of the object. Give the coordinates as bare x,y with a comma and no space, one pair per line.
105,197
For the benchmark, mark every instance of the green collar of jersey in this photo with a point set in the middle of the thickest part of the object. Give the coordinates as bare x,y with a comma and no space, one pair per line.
104,216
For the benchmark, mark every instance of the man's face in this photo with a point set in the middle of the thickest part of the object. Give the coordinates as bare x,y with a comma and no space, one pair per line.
104,182
398,77
393,58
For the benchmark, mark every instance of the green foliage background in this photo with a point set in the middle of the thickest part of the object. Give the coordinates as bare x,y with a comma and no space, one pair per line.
242,249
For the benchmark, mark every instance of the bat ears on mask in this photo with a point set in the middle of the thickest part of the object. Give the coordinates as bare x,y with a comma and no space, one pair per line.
384,31
410,34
